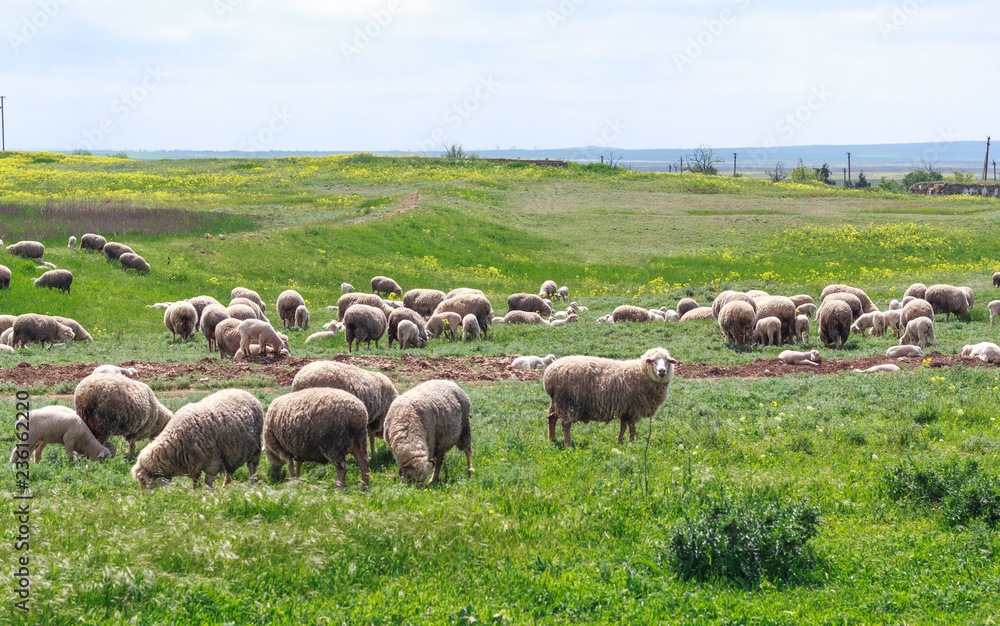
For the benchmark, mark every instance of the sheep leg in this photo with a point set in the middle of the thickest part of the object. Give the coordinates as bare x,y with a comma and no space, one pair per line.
468,461
252,467
359,456
438,462
552,421
131,447
371,441
38,451
298,468
229,479
341,475
567,440
621,431
631,431
291,469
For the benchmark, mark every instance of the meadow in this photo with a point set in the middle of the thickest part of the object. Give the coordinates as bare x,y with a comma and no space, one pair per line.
899,473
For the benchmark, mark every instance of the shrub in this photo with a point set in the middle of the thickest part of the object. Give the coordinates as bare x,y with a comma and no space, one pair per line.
921,176
965,492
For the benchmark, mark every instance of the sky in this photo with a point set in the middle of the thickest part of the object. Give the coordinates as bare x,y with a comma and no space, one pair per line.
415,75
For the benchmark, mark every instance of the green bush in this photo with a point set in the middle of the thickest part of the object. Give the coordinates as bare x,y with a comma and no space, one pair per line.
965,492
921,176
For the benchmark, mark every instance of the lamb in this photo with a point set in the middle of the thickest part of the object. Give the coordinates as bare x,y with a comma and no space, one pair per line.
722,300
737,320
585,389
374,389
801,329
445,323
346,287
915,308
131,372
386,285
5,339
249,294
562,293
288,301
399,315
302,317
181,319
986,351
114,250
532,362
783,309
548,289
606,319
159,305
497,320
857,309
58,279
135,262
210,318
969,295
363,323
56,424
72,242
685,305
629,313
476,304
876,369
529,302
220,433
874,321
792,357
323,334
90,241
349,299
867,306
996,279
263,334
46,265
423,424
808,309
522,317
319,425
117,405
242,312
894,305
893,322
994,309
899,352
423,301
470,328
27,249
767,331
227,337
918,331
801,299
32,327
570,319
4,277
257,311
671,316
947,299
834,319
694,315
655,315
79,333
409,335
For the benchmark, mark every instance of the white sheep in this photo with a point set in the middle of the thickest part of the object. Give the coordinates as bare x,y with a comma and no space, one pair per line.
363,323
873,321
346,287
532,362
32,327
131,372
249,294
302,317
802,329
562,293
56,279
876,369
181,318
117,405
994,309
918,331
409,336
470,328
323,334
767,331
444,324
792,357
894,305
288,301
72,242
893,321
899,352
262,334
60,425
572,318
808,309
159,305
984,351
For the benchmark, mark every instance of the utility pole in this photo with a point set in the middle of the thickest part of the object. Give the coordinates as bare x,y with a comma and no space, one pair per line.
994,169
845,176
3,138
734,165
847,183
986,163
682,165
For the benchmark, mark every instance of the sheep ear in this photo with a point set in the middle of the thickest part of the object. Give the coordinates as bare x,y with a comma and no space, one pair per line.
674,361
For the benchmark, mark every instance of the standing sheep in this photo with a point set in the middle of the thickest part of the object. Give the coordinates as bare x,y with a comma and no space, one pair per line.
548,289
180,318
27,249
423,301
198,302
529,302
915,308
464,291
117,405
725,298
399,315
444,323
61,425
364,323
916,290
808,309
969,295
346,287
79,333
917,332
72,242
476,304
947,299
424,423
874,321
801,329
32,327
783,309
349,299
210,318
318,425
736,321
801,299
288,301
867,306
58,279
242,311
114,250
562,293
834,318
629,313
263,334
994,309
857,309
893,321
409,336
90,241
520,317
249,294
220,433
302,317
470,328
4,277
767,332
132,261
585,389
227,337
685,305
387,286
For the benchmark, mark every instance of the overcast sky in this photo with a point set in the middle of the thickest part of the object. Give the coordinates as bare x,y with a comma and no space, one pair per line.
413,75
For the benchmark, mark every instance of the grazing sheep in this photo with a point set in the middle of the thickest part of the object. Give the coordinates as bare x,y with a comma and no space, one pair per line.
783,309
349,299
476,304
72,242
470,328
317,425
867,306
464,291
198,302
722,300
898,352
249,294
399,315
263,334
423,424
346,287
181,319
834,318
994,309
79,333
629,313
323,334
532,362
801,299
423,301
529,302
792,357
446,323
876,369
996,279
562,293
90,241
131,372
302,317
409,335
393,304
969,295
4,277
947,299
757,293
6,321
586,389
767,331
210,318
32,327
58,279
521,317
917,332
548,289
220,433
915,308
227,337
893,322
364,323
874,321
117,405
59,425
387,286
131,261
288,301
917,290
694,315
736,321
907,299
114,250
685,305
857,309
985,351
809,309
243,312
801,329
27,249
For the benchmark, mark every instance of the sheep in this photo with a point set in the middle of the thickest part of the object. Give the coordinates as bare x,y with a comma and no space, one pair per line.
4,277
808,309
877,369
801,329
323,334
445,323
722,300
302,317
423,301
532,362
867,306
671,316
117,405
529,302
547,289
629,313
131,261
792,357
249,294
907,299
577,307
915,308
220,433
994,309
996,279
899,352
737,320
46,265
894,305
114,250
334,325
349,299
263,334
465,291
497,320
363,323
767,331
288,301
423,424
159,305
801,299
374,389
562,293
5,339
409,335
131,372
58,279
201,302
585,389
6,321
986,351
387,286
694,315
72,242
243,312
60,425
90,241
79,333
392,304
783,309
834,318
227,337
181,319
522,317
210,318
399,315
655,315
573,317
969,295
917,290
685,305
346,287
918,331
470,328
27,249
857,309
893,322
476,304
31,327
947,299
757,293
874,321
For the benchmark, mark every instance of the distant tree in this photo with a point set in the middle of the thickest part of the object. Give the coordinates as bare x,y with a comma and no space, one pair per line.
455,151
802,174
119,155
82,152
862,181
611,159
891,186
823,174
920,175
778,174
963,177
703,160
